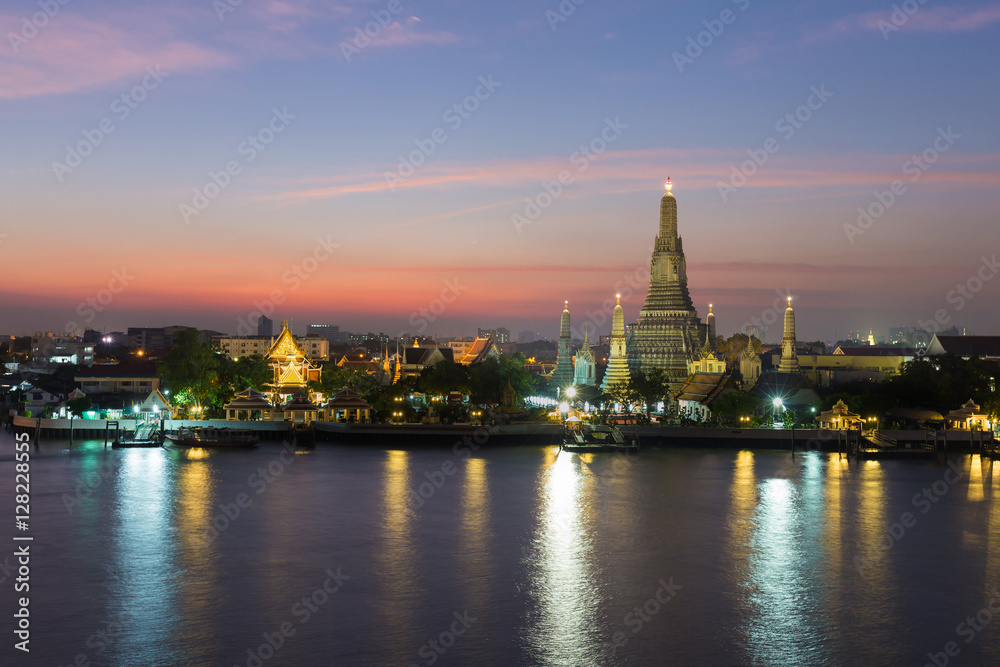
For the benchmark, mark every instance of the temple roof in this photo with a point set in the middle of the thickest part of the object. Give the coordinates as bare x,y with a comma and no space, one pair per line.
285,345
249,399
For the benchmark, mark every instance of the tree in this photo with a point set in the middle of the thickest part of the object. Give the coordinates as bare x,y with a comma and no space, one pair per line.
443,377
732,405
624,393
651,387
77,406
191,369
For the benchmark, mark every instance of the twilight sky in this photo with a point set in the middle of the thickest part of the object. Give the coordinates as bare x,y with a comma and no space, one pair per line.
190,162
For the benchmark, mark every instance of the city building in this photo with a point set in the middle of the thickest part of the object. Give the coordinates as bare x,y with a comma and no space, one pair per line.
265,327
526,336
499,335
55,348
316,348
136,377
668,331
331,332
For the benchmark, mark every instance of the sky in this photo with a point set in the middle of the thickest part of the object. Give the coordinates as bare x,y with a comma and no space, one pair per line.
437,166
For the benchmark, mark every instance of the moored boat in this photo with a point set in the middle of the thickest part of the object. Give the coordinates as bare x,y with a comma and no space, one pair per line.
210,436
583,437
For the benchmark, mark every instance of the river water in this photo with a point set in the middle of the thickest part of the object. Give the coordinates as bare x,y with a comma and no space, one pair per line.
503,556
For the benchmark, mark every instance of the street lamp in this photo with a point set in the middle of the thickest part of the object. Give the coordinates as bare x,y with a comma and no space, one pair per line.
777,404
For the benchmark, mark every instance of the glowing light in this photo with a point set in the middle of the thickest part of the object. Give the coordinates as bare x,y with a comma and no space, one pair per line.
777,402
571,391
669,185
564,407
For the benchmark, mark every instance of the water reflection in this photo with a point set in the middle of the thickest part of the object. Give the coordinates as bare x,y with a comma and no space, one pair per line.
475,561
565,629
142,571
198,551
396,558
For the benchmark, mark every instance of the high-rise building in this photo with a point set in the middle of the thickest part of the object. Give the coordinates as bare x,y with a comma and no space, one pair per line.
668,332
526,336
499,335
265,327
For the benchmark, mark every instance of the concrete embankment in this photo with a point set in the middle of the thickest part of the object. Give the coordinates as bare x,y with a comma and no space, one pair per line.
440,435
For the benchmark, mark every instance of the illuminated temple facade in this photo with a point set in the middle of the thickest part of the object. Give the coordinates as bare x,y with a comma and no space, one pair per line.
668,334
292,368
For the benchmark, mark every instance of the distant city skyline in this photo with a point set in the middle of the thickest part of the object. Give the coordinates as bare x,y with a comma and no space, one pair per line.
475,166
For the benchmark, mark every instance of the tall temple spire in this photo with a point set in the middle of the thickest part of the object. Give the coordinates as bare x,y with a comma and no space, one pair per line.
710,327
789,359
563,374
617,370
668,333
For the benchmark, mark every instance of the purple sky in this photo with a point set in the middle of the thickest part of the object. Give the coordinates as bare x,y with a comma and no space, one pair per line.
171,163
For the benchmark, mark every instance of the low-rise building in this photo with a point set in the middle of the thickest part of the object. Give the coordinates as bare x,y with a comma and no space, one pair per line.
55,348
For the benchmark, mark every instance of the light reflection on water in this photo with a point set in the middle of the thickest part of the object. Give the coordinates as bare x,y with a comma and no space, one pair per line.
143,573
565,588
764,546
396,556
197,551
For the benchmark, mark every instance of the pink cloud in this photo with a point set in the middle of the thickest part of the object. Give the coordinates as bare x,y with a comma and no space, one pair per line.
73,53
926,19
631,171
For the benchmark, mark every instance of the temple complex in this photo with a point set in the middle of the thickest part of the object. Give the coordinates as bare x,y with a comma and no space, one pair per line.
617,370
668,333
